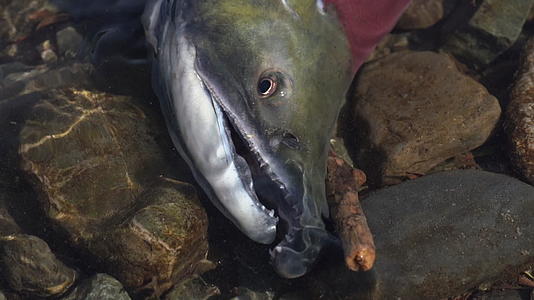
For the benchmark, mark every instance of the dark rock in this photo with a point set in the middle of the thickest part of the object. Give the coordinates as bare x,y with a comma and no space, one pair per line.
414,110
503,295
28,266
520,116
98,287
96,161
8,226
194,288
493,29
421,14
69,42
443,234
247,294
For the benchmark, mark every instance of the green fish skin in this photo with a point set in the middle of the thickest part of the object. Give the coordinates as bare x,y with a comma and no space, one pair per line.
251,91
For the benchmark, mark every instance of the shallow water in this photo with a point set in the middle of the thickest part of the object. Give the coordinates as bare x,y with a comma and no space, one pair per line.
50,91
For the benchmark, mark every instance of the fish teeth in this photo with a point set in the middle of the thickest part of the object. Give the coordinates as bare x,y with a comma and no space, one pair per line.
271,213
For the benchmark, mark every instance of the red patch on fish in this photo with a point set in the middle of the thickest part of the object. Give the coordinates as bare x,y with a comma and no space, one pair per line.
366,22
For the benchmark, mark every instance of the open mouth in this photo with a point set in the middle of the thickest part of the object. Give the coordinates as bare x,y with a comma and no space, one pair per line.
267,186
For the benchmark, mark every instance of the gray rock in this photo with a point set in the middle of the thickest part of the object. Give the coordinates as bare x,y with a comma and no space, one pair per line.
493,29
69,42
194,288
520,116
2,297
98,287
442,234
13,67
421,14
29,266
41,78
413,110
247,294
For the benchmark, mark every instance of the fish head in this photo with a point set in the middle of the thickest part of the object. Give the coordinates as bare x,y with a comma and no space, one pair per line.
277,73
280,71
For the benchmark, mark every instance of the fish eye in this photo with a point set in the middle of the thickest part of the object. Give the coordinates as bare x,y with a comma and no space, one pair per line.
266,87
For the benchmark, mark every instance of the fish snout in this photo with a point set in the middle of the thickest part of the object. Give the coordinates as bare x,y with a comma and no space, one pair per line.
296,254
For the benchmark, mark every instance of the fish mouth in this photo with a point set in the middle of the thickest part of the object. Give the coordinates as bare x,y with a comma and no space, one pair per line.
298,245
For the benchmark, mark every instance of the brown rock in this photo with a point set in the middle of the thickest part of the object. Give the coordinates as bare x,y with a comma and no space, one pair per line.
29,266
520,116
167,237
94,159
414,110
421,14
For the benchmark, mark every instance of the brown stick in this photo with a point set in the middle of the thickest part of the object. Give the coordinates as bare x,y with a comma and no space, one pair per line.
342,191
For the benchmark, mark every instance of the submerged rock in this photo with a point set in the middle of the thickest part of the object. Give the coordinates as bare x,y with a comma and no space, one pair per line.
414,110
98,287
96,161
421,14
8,226
29,266
194,288
440,235
69,42
520,116
493,29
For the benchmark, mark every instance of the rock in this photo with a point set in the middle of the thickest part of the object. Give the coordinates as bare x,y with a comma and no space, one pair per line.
443,234
493,29
8,226
194,288
69,42
421,14
161,244
2,297
520,116
97,161
389,44
41,78
19,19
502,295
98,287
414,110
47,52
247,294
29,266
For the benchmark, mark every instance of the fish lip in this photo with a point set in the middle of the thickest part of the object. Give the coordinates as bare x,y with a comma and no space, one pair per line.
289,258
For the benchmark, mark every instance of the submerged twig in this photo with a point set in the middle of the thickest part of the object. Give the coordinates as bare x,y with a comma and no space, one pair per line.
342,186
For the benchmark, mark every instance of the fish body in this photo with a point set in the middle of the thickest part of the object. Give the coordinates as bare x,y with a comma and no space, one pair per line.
250,91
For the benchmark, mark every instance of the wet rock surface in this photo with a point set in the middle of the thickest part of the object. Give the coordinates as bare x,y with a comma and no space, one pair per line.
100,167
93,159
459,221
520,116
98,287
421,14
399,98
30,267
193,288
493,28
504,295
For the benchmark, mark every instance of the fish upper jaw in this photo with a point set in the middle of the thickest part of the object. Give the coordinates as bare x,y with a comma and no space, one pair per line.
200,133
